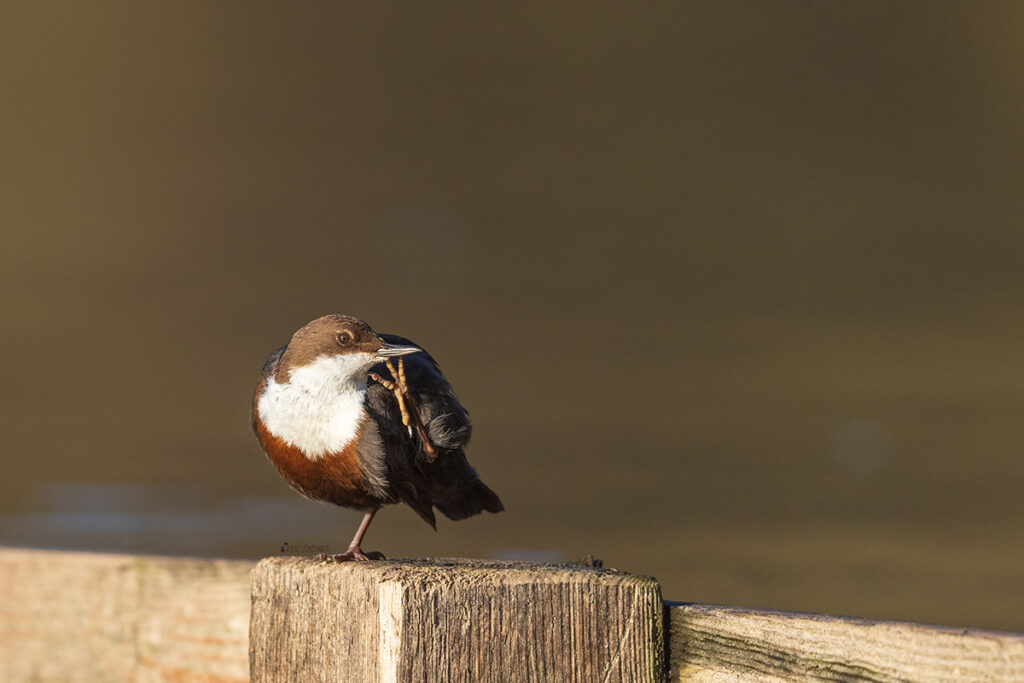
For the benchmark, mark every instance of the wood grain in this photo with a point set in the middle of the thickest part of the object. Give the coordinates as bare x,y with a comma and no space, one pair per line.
709,643
97,617
452,620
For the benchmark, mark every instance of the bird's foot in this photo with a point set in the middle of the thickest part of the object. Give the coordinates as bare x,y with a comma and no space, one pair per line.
398,387
353,554
401,390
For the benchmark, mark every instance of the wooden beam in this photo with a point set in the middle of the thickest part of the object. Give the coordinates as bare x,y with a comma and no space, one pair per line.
452,620
709,643
89,616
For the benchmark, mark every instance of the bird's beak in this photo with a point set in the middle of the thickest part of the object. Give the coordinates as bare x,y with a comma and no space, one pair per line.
391,350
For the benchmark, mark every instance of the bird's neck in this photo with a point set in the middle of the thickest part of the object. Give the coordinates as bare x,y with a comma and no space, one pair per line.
319,407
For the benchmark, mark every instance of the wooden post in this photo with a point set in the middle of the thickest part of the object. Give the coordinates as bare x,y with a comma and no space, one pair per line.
452,620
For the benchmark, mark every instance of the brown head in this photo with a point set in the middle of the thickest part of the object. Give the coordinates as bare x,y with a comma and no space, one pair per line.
336,335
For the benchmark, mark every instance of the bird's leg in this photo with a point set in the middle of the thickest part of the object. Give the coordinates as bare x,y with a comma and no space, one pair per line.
398,388
355,552
401,391
428,446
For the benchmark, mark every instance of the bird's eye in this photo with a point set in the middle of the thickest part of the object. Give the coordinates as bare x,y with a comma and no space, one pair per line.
344,338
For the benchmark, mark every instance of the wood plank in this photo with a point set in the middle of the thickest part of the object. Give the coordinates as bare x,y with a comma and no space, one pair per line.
453,620
72,616
711,643
96,617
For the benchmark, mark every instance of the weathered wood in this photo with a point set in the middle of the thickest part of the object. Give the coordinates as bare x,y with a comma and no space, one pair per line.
709,643
96,617
452,620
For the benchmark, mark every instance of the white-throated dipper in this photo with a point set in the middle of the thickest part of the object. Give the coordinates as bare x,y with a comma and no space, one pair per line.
337,437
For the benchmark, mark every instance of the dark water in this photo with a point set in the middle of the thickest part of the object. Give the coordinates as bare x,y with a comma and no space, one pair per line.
732,290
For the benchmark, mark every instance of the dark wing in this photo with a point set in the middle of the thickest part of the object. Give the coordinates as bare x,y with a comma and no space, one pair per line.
447,482
447,422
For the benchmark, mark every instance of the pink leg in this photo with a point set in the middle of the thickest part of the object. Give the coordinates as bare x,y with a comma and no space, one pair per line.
355,552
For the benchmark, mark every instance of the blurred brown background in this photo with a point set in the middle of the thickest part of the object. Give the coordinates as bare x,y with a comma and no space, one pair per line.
732,289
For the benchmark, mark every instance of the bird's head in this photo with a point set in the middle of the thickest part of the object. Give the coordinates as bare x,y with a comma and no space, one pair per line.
347,344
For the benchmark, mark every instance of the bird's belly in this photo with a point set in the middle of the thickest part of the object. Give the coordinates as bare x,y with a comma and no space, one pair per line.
333,477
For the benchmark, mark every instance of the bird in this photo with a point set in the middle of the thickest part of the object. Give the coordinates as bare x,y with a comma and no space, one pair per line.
339,431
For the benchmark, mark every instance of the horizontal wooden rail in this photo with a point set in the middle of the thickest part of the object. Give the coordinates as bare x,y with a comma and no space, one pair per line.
97,617
709,643
84,616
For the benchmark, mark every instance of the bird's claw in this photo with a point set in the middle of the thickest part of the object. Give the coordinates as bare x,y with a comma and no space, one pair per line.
401,390
353,554
396,386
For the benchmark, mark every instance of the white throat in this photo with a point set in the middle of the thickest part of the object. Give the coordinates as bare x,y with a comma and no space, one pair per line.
319,409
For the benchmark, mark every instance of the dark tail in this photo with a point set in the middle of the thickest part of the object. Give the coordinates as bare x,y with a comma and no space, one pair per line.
472,503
